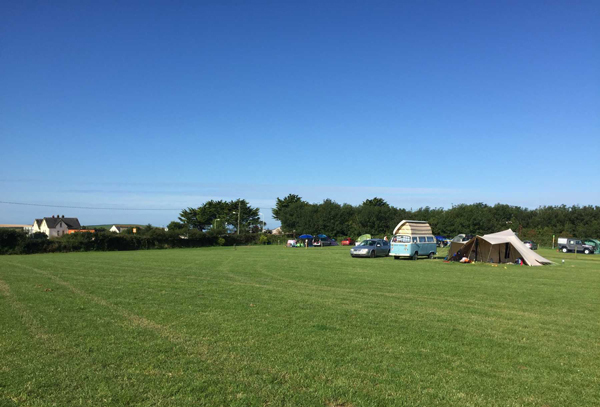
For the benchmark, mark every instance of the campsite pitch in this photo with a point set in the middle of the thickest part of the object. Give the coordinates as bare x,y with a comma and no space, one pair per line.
299,327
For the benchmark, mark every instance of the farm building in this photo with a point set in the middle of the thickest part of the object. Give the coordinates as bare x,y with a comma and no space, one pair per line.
55,226
121,228
25,228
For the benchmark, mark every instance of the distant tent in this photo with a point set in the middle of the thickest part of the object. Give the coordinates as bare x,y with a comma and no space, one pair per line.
501,247
459,241
363,237
595,243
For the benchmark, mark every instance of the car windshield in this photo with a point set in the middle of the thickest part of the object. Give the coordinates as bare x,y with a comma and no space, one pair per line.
367,243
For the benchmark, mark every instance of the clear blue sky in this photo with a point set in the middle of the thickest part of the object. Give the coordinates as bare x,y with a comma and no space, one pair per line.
169,104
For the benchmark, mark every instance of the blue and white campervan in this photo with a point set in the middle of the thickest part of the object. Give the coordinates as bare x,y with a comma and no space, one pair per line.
413,238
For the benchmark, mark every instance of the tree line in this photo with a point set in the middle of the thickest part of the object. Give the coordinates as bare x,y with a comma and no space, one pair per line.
377,217
227,223
146,238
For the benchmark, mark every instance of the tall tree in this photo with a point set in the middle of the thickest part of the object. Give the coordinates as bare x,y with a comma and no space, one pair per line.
240,211
209,214
194,218
291,211
282,204
377,202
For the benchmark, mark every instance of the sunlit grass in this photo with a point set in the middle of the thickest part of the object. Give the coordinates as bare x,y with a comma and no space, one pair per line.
279,326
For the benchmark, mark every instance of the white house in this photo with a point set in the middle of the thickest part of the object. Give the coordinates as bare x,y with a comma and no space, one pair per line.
56,226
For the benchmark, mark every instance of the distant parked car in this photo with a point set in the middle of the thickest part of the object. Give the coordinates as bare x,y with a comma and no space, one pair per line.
322,241
462,238
371,248
571,244
531,244
348,242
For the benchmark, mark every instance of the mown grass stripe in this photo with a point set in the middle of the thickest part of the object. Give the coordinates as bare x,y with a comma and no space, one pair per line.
316,327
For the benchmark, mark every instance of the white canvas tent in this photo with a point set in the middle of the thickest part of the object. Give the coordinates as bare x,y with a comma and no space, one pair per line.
501,247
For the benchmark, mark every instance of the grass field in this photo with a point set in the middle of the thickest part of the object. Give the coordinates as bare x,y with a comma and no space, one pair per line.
299,327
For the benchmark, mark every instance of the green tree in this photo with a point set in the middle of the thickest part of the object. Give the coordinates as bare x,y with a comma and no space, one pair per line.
177,226
240,211
193,218
290,211
282,204
204,216
376,202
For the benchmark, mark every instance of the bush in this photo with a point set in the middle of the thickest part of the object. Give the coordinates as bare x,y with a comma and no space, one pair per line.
17,242
10,239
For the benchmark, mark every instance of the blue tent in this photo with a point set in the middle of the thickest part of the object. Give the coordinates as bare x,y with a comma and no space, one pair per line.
305,237
322,236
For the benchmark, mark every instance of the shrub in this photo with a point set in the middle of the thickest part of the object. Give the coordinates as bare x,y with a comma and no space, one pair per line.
16,242
10,239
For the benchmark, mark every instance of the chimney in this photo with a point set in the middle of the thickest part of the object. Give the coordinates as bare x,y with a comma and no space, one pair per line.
63,216
52,216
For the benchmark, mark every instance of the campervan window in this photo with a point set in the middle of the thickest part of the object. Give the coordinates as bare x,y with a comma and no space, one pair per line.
415,240
401,239
429,239
421,239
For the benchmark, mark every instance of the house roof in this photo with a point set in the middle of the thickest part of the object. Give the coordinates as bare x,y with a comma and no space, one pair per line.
72,223
38,222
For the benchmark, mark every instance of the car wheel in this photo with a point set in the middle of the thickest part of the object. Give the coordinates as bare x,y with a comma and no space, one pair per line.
415,256
586,251
430,256
564,250
372,255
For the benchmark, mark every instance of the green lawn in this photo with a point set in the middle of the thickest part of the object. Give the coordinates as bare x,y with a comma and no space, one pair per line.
299,327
